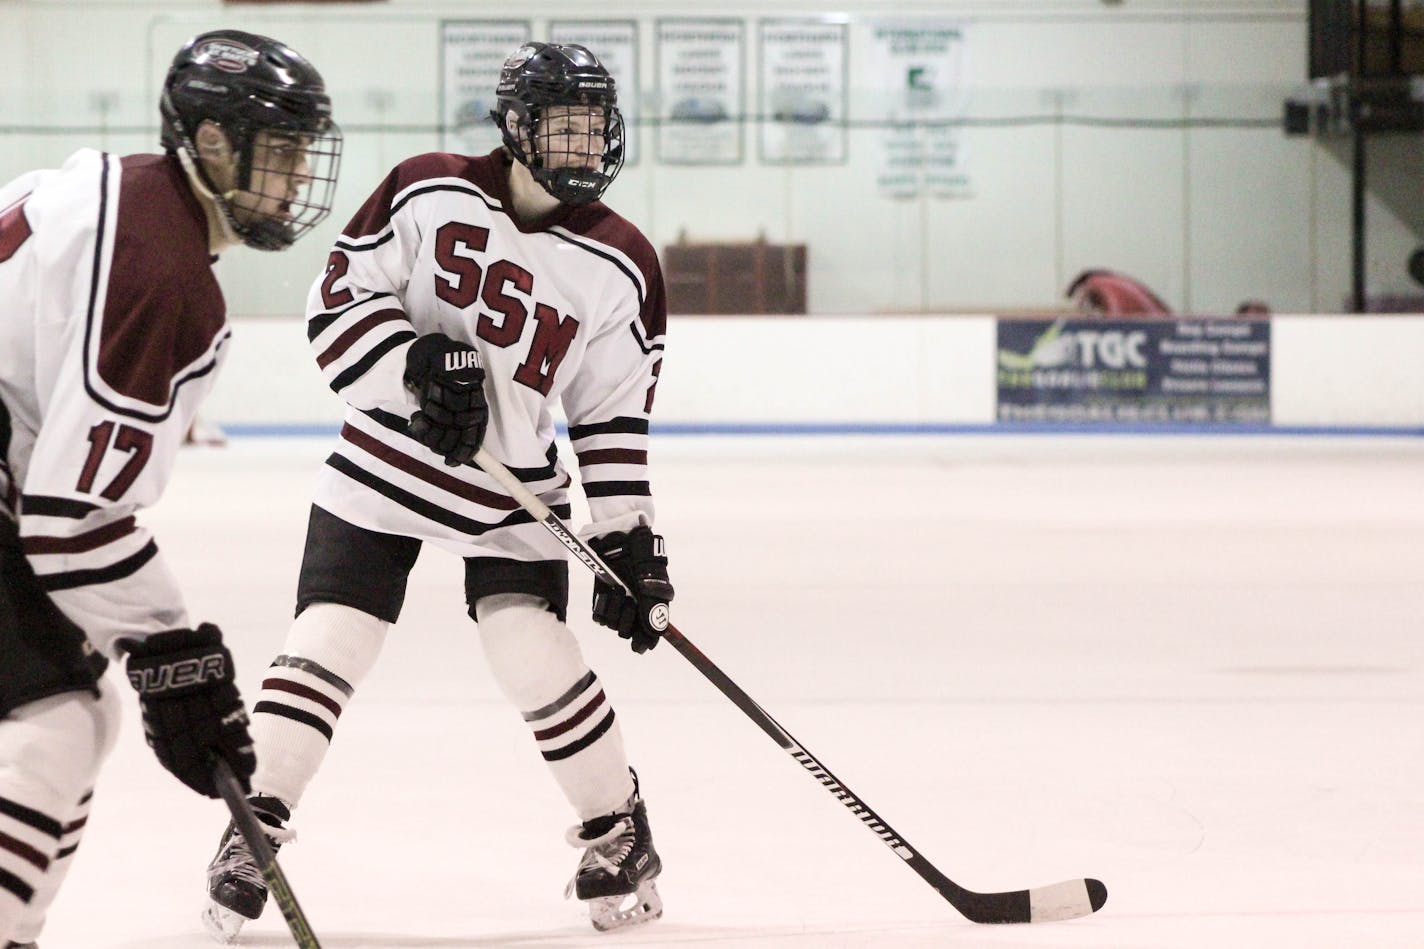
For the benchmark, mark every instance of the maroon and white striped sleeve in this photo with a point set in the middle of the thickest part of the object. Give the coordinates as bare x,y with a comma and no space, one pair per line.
610,404
356,319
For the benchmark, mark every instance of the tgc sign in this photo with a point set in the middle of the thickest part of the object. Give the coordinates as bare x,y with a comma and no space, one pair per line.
1110,349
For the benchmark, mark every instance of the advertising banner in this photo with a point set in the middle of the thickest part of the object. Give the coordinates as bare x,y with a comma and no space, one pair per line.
1138,371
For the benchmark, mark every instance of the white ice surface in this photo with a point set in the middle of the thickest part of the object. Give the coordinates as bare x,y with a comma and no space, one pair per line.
1190,667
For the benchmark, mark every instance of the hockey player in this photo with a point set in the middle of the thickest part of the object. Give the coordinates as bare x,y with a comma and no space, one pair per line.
112,328
467,298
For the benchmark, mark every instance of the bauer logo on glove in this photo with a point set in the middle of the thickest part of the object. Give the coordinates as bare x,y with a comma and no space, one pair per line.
152,680
192,711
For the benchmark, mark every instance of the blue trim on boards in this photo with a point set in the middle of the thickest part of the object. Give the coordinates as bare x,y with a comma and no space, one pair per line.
912,428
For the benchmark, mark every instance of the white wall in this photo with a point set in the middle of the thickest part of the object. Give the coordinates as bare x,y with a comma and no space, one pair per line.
1206,216
1325,371
1355,370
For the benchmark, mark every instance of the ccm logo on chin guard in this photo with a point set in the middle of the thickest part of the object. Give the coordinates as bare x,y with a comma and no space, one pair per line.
176,675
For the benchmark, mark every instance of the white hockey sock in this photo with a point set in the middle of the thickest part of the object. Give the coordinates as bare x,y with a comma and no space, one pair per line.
537,662
70,835
50,754
326,656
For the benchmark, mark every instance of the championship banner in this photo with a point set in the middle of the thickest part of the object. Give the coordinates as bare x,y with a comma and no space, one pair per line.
1137,371
700,83
471,54
615,43
803,92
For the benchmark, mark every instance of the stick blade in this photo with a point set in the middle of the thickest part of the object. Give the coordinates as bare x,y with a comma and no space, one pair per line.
1067,900
1070,899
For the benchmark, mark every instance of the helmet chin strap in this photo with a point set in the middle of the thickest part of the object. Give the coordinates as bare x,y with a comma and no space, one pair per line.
222,229
532,198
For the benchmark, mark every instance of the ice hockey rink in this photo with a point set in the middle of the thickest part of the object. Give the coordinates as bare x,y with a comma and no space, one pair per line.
1191,667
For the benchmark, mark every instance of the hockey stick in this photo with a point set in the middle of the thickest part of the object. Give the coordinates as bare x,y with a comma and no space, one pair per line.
1067,900
251,828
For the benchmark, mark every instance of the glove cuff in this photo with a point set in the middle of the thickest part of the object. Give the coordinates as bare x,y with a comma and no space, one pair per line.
637,545
173,640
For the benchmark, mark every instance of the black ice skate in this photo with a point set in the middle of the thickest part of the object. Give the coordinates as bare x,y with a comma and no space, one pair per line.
236,890
617,874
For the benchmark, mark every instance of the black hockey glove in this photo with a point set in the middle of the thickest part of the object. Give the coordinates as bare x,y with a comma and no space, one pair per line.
637,557
446,377
191,709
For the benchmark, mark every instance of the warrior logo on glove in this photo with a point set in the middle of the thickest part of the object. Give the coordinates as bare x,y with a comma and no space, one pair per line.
446,378
639,559
468,359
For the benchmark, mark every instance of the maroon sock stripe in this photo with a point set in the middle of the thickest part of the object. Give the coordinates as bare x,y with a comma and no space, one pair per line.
22,890
562,701
31,818
24,851
74,830
295,714
306,692
570,750
573,721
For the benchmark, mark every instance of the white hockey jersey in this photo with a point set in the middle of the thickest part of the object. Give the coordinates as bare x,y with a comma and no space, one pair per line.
111,328
570,312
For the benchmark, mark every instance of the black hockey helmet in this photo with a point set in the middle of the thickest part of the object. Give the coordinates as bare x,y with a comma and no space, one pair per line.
540,75
248,84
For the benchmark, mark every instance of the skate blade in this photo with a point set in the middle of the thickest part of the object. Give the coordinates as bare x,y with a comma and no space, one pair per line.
222,923
643,905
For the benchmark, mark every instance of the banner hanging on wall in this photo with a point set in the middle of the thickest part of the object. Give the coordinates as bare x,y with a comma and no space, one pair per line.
615,43
803,91
471,54
700,88
1141,371
919,76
